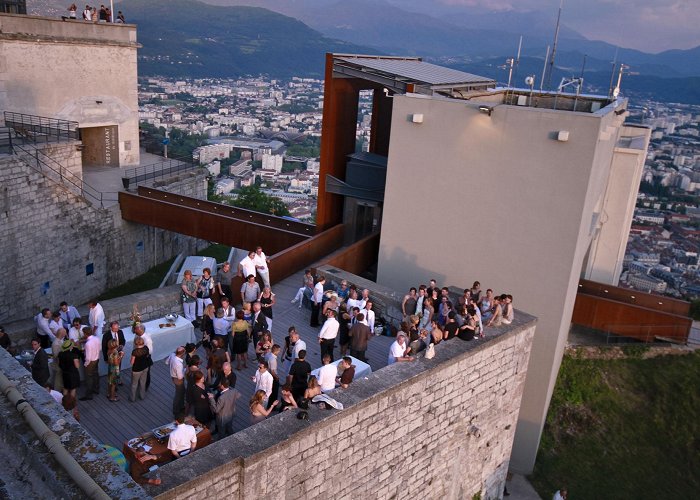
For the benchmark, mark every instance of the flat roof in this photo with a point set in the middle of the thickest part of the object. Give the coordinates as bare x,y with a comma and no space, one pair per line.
407,74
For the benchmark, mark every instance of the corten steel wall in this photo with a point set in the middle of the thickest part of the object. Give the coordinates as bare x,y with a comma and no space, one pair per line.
629,320
440,428
641,299
356,258
205,224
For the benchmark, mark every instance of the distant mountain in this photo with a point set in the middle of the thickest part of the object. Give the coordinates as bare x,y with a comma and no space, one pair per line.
190,38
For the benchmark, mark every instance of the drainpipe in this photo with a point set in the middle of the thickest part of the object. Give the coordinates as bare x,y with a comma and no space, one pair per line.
52,441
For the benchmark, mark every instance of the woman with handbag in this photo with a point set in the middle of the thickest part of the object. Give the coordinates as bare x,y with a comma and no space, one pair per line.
205,284
140,361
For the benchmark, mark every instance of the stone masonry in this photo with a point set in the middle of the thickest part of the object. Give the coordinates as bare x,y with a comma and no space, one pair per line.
439,428
56,246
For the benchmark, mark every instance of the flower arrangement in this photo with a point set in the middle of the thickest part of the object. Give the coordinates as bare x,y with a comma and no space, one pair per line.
135,316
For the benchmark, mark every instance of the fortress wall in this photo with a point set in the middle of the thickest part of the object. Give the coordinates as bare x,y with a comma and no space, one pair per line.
440,428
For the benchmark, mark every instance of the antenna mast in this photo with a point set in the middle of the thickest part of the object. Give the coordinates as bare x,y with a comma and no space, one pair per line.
554,46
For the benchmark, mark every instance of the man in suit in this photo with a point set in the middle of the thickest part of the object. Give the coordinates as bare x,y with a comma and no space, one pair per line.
259,322
114,333
359,337
40,364
224,408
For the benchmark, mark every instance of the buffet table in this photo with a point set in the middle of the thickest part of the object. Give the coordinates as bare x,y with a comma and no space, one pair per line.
165,340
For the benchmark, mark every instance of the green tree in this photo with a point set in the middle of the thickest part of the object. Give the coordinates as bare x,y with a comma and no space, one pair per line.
252,198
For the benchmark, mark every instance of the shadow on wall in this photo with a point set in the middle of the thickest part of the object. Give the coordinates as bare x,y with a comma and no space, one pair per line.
400,271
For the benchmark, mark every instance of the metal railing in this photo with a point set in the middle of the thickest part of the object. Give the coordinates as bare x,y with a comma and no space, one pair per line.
41,129
5,140
53,170
613,334
168,167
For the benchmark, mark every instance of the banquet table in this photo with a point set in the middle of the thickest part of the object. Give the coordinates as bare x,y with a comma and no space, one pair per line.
165,340
362,369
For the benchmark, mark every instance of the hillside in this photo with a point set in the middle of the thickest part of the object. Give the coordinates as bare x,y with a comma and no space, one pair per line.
623,428
192,39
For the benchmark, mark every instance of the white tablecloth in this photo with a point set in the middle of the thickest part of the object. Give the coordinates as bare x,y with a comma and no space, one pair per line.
165,340
362,369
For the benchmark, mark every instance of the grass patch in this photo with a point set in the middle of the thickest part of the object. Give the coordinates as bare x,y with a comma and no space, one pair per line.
626,428
151,279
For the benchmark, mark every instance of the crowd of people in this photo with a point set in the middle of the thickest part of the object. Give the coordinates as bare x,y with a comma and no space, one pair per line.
95,15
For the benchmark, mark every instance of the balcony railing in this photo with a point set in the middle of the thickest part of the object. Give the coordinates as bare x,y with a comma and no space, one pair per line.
168,167
40,129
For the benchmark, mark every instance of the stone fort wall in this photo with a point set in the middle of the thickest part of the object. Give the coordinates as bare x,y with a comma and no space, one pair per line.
56,246
439,428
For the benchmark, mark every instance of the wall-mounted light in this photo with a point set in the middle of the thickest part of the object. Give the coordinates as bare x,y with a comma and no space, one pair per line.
487,110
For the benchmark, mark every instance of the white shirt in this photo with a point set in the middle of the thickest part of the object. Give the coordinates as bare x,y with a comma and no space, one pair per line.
369,318
75,333
55,325
87,15
300,344
352,303
97,318
261,260
148,342
93,347
177,366
248,267
42,326
271,363
395,351
263,382
182,438
221,326
329,330
326,377
318,292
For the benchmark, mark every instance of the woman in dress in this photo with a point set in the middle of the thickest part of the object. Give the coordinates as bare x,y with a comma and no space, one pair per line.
313,389
189,296
257,410
468,330
207,327
343,330
239,344
426,320
247,309
267,300
331,305
496,313
287,402
475,291
69,362
264,346
205,285
198,400
508,313
215,365
485,305
114,360
307,288
139,366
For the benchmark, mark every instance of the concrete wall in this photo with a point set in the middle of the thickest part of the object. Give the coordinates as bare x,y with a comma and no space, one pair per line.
439,428
508,205
32,471
49,235
82,72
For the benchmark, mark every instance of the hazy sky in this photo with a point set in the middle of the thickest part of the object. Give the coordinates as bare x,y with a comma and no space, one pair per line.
649,25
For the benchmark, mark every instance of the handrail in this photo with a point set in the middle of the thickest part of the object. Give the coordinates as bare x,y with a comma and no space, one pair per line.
34,127
53,169
157,170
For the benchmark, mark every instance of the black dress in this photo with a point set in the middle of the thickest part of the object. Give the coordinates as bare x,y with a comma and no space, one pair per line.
199,401
71,375
239,344
265,302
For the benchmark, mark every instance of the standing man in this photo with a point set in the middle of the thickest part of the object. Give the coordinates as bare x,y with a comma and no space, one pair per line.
316,301
298,376
183,439
409,303
262,264
246,267
369,315
271,360
250,290
263,382
177,374
96,319
114,333
56,348
224,407
68,314
92,358
259,323
43,332
359,338
327,374
223,280
328,333
40,364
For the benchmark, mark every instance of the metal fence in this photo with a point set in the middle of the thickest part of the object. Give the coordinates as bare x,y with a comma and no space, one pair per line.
168,167
40,129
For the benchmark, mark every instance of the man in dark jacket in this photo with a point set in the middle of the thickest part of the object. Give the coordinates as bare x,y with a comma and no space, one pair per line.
113,333
259,323
224,408
40,364
360,334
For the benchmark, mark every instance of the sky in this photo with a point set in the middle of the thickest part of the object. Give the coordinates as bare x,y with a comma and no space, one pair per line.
648,25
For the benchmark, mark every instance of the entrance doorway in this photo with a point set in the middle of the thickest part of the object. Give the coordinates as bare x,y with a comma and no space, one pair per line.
100,146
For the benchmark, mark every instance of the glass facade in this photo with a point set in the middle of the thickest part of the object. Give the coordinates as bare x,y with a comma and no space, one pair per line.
13,6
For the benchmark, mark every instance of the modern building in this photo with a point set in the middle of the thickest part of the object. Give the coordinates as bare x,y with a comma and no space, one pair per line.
525,191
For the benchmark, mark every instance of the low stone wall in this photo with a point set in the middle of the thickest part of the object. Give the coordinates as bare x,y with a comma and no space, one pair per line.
40,474
438,428
152,304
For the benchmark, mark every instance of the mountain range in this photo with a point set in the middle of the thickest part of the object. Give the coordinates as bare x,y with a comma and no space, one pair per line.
230,38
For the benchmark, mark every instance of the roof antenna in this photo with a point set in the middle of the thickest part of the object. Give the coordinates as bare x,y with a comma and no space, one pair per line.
554,46
544,69
513,64
612,74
